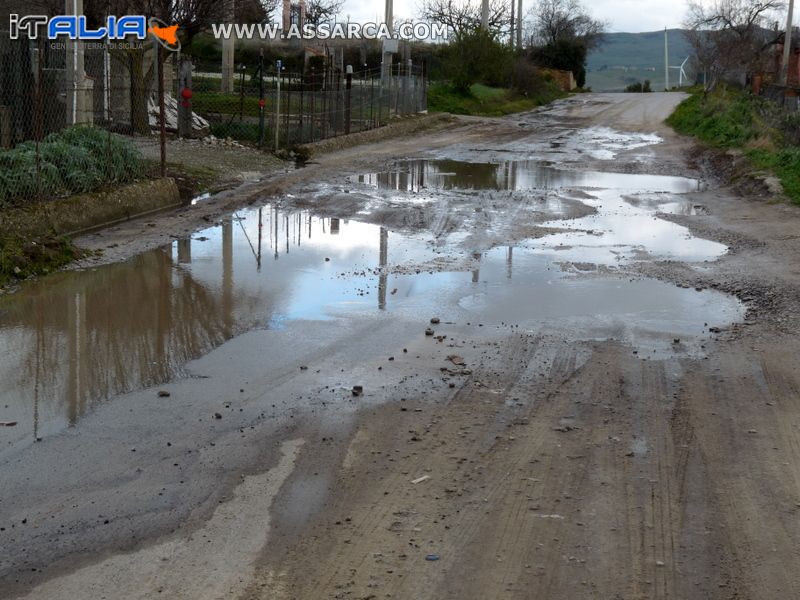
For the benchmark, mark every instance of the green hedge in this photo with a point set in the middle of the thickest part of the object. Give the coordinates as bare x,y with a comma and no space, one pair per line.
75,160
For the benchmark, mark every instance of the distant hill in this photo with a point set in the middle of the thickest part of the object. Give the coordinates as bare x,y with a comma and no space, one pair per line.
625,58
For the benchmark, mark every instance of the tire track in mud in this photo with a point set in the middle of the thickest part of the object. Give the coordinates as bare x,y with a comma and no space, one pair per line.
548,507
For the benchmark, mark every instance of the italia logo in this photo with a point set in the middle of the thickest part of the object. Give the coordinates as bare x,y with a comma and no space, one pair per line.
75,27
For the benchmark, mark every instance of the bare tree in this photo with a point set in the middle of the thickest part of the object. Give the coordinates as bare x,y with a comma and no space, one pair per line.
322,11
729,36
559,20
463,16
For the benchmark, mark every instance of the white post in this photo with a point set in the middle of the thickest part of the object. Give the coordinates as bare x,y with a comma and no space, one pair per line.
228,49
787,45
78,86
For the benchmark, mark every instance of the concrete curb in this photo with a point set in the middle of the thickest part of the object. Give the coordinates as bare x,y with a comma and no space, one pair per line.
84,212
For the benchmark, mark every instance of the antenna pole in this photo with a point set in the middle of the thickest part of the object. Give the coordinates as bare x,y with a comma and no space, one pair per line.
666,58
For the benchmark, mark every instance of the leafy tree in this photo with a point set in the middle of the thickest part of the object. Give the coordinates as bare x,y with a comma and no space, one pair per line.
255,11
478,57
565,55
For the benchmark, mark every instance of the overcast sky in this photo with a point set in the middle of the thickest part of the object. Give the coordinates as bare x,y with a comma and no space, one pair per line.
621,15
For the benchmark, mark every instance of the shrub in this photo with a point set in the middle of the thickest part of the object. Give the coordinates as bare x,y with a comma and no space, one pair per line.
639,87
477,57
526,79
78,159
564,55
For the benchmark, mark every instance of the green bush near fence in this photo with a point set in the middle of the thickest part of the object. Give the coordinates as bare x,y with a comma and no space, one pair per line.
75,160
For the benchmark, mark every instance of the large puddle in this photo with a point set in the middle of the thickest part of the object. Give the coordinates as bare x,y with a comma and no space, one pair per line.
76,338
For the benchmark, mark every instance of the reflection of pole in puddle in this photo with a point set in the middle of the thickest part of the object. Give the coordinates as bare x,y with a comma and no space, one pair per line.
185,251
76,319
476,274
383,278
509,261
40,357
164,314
275,227
299,227
260,226
227,277
286,225
308,215
334,226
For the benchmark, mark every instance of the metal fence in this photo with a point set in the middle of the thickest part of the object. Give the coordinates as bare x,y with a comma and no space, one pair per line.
46,88
279,110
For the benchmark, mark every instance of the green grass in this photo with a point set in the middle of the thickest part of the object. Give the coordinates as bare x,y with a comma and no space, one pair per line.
485,101
23,257
227,104
733,119
785,164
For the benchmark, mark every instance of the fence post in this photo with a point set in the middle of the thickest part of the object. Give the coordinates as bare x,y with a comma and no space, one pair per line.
185,102
261,102
348,96
278,106
37,126
161,123
406,84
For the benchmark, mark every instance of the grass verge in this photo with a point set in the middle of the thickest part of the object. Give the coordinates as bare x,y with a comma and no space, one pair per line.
486,101
732,119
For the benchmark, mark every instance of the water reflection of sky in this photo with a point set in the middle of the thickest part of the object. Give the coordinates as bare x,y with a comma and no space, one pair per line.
74,339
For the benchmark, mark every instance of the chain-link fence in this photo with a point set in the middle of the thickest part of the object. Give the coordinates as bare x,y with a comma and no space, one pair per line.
68,110
62,108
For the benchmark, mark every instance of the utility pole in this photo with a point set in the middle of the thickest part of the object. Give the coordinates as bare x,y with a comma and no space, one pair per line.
485,15
787,45
511,38
666,58
519,24
388,13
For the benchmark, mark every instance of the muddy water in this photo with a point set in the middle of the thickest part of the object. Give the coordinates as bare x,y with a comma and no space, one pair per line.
75,339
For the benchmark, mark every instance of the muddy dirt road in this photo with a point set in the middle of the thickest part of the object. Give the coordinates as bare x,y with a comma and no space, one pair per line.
545,356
